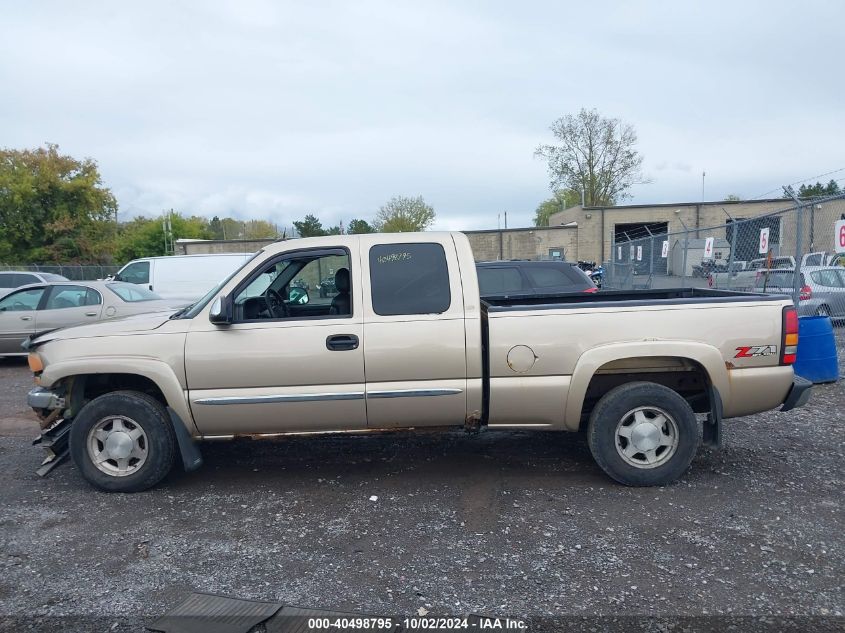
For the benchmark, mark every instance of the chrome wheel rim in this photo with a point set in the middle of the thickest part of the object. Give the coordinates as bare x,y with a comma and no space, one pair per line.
646,437
117,446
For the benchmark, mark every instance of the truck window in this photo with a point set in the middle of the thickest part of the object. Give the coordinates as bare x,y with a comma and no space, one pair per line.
299,285
409,279
135,273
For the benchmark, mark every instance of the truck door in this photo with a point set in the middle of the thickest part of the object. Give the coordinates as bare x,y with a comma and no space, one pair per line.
414,333
291,360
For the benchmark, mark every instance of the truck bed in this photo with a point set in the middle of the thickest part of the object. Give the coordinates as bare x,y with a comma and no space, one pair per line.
611,298
545,350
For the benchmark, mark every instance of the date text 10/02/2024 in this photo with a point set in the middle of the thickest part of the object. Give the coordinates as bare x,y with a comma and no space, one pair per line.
418,624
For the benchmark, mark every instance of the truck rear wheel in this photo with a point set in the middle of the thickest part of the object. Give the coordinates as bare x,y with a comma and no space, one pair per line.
123,442
643,434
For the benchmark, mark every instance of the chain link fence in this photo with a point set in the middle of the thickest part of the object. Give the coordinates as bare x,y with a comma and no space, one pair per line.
767,253
72,272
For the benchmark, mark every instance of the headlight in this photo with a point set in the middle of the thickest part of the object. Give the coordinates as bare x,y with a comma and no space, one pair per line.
35,363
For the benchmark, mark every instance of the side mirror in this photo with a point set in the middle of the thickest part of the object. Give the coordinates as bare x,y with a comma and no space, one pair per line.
220,312
298,296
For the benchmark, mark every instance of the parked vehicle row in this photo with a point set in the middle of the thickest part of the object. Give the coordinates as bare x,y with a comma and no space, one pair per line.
822,289
742,275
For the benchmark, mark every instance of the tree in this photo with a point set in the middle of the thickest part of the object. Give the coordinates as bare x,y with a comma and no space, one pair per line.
562,199
732,197
215,228
259,230
819,190
359,226
144,237
54,207
595,155
309,226
404,214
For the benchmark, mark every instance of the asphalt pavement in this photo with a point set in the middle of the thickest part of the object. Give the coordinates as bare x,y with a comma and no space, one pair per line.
512,524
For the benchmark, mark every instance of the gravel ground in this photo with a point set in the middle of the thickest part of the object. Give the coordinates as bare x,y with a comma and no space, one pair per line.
510,524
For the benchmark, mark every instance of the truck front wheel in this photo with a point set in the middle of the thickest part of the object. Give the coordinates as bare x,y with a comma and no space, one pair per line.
123,442
643,434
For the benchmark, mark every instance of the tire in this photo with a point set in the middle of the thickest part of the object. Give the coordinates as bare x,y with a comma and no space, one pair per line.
648,416
130,434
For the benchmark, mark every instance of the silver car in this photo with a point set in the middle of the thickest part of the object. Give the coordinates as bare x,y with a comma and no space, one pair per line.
11,279
48,306
822,289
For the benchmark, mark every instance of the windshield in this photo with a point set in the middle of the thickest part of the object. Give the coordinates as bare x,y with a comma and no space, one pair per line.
199,305
132,293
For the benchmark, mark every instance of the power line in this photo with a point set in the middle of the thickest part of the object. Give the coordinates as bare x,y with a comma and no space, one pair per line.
798,182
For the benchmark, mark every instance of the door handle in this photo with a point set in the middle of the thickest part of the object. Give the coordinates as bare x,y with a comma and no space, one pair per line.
26,318
341,342
90,314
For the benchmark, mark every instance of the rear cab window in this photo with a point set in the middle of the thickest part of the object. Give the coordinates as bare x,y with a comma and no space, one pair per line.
408,279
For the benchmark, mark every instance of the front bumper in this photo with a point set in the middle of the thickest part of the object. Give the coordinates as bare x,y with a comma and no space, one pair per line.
41,398
798,394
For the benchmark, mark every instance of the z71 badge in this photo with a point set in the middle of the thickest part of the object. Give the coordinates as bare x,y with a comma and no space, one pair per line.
756,350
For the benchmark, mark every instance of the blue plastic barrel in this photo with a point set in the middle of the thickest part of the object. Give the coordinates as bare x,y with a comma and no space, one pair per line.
816,360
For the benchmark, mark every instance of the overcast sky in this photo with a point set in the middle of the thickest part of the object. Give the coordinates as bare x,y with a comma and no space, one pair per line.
272,110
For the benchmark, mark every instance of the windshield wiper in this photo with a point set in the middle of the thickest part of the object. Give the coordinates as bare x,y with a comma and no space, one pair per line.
181,311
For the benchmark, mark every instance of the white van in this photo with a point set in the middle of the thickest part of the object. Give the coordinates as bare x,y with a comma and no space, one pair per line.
181,277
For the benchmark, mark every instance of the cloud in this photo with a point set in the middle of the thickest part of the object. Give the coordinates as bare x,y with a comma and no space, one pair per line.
273,110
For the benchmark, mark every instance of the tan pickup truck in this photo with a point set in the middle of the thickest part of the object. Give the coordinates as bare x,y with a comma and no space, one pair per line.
401,340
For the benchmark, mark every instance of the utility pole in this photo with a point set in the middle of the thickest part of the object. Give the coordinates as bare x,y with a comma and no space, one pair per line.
703,174
506,219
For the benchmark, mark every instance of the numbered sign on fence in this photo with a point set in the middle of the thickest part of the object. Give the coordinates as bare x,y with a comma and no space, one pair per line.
665,251
633,252
619,253
708,248
764,241
639,253
839,239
